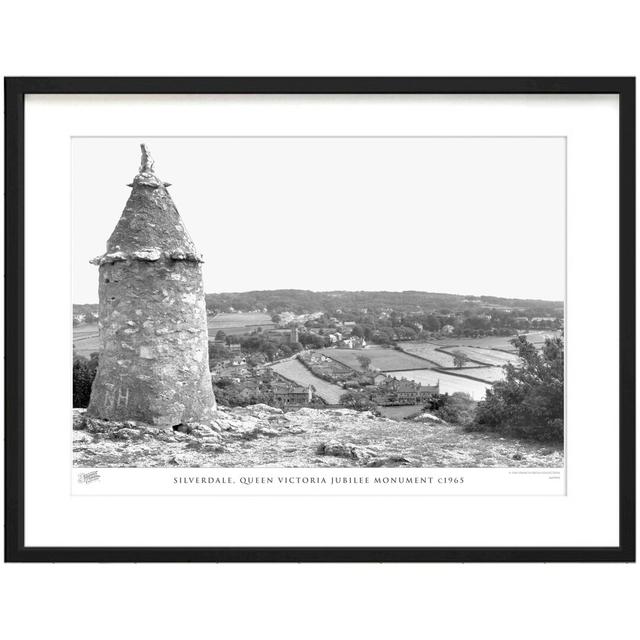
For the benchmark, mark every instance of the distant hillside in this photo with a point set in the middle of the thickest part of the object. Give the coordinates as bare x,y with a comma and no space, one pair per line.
300,301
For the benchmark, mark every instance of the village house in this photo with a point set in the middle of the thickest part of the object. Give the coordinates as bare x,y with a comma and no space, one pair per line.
233,347
353,342
258,360
394,392
235,372
286,394
250,389
283,336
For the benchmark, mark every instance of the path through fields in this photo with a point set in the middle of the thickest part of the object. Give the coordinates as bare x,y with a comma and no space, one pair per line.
296,372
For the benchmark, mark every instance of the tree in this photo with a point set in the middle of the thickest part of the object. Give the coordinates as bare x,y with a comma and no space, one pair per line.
431,323
221,336
285,350
83,377
313,340
530,401
270,351
357,331
457,408
359,401
384,335
217,352
406,333
459,359
364,361
476,323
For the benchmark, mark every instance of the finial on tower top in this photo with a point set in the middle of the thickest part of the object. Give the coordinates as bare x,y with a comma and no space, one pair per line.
146,162
146,177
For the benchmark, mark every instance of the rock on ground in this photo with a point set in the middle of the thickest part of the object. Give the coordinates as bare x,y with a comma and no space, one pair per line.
263,436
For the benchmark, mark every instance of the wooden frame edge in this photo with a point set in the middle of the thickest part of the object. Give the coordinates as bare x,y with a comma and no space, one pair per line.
15,91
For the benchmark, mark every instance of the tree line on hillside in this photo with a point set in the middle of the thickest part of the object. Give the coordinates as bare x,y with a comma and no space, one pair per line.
431,310
300,301
259,342
394,327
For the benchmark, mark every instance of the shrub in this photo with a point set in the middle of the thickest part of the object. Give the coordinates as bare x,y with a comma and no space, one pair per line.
358,400
530,401
84,372
457,408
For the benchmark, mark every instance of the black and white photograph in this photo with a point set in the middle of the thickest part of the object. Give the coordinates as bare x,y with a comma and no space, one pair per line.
313,302
368,312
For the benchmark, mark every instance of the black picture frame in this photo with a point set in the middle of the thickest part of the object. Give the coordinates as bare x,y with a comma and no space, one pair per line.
15,91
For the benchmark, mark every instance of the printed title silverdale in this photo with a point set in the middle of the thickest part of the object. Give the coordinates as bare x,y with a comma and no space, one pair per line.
311,479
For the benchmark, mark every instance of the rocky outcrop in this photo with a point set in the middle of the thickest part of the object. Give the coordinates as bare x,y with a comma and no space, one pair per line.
364,456
263,436
343,450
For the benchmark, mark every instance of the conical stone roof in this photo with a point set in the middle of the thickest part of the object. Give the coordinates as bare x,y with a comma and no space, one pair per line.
150,227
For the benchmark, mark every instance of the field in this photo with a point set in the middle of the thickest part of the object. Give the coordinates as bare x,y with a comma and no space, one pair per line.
491,357
494,342
296,372
429,351
491,351
237,323
488,374
400,364
86,340
448,383
381,358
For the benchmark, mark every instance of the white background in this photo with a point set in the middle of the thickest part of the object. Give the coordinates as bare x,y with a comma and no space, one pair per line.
244,198
586,516
364,38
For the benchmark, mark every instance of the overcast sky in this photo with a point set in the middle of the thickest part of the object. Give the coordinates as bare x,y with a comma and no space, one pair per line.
452,215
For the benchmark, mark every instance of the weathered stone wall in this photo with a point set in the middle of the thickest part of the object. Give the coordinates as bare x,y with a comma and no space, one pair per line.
154,358
154,361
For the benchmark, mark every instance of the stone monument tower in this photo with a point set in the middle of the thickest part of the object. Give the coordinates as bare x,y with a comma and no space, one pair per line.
154,359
